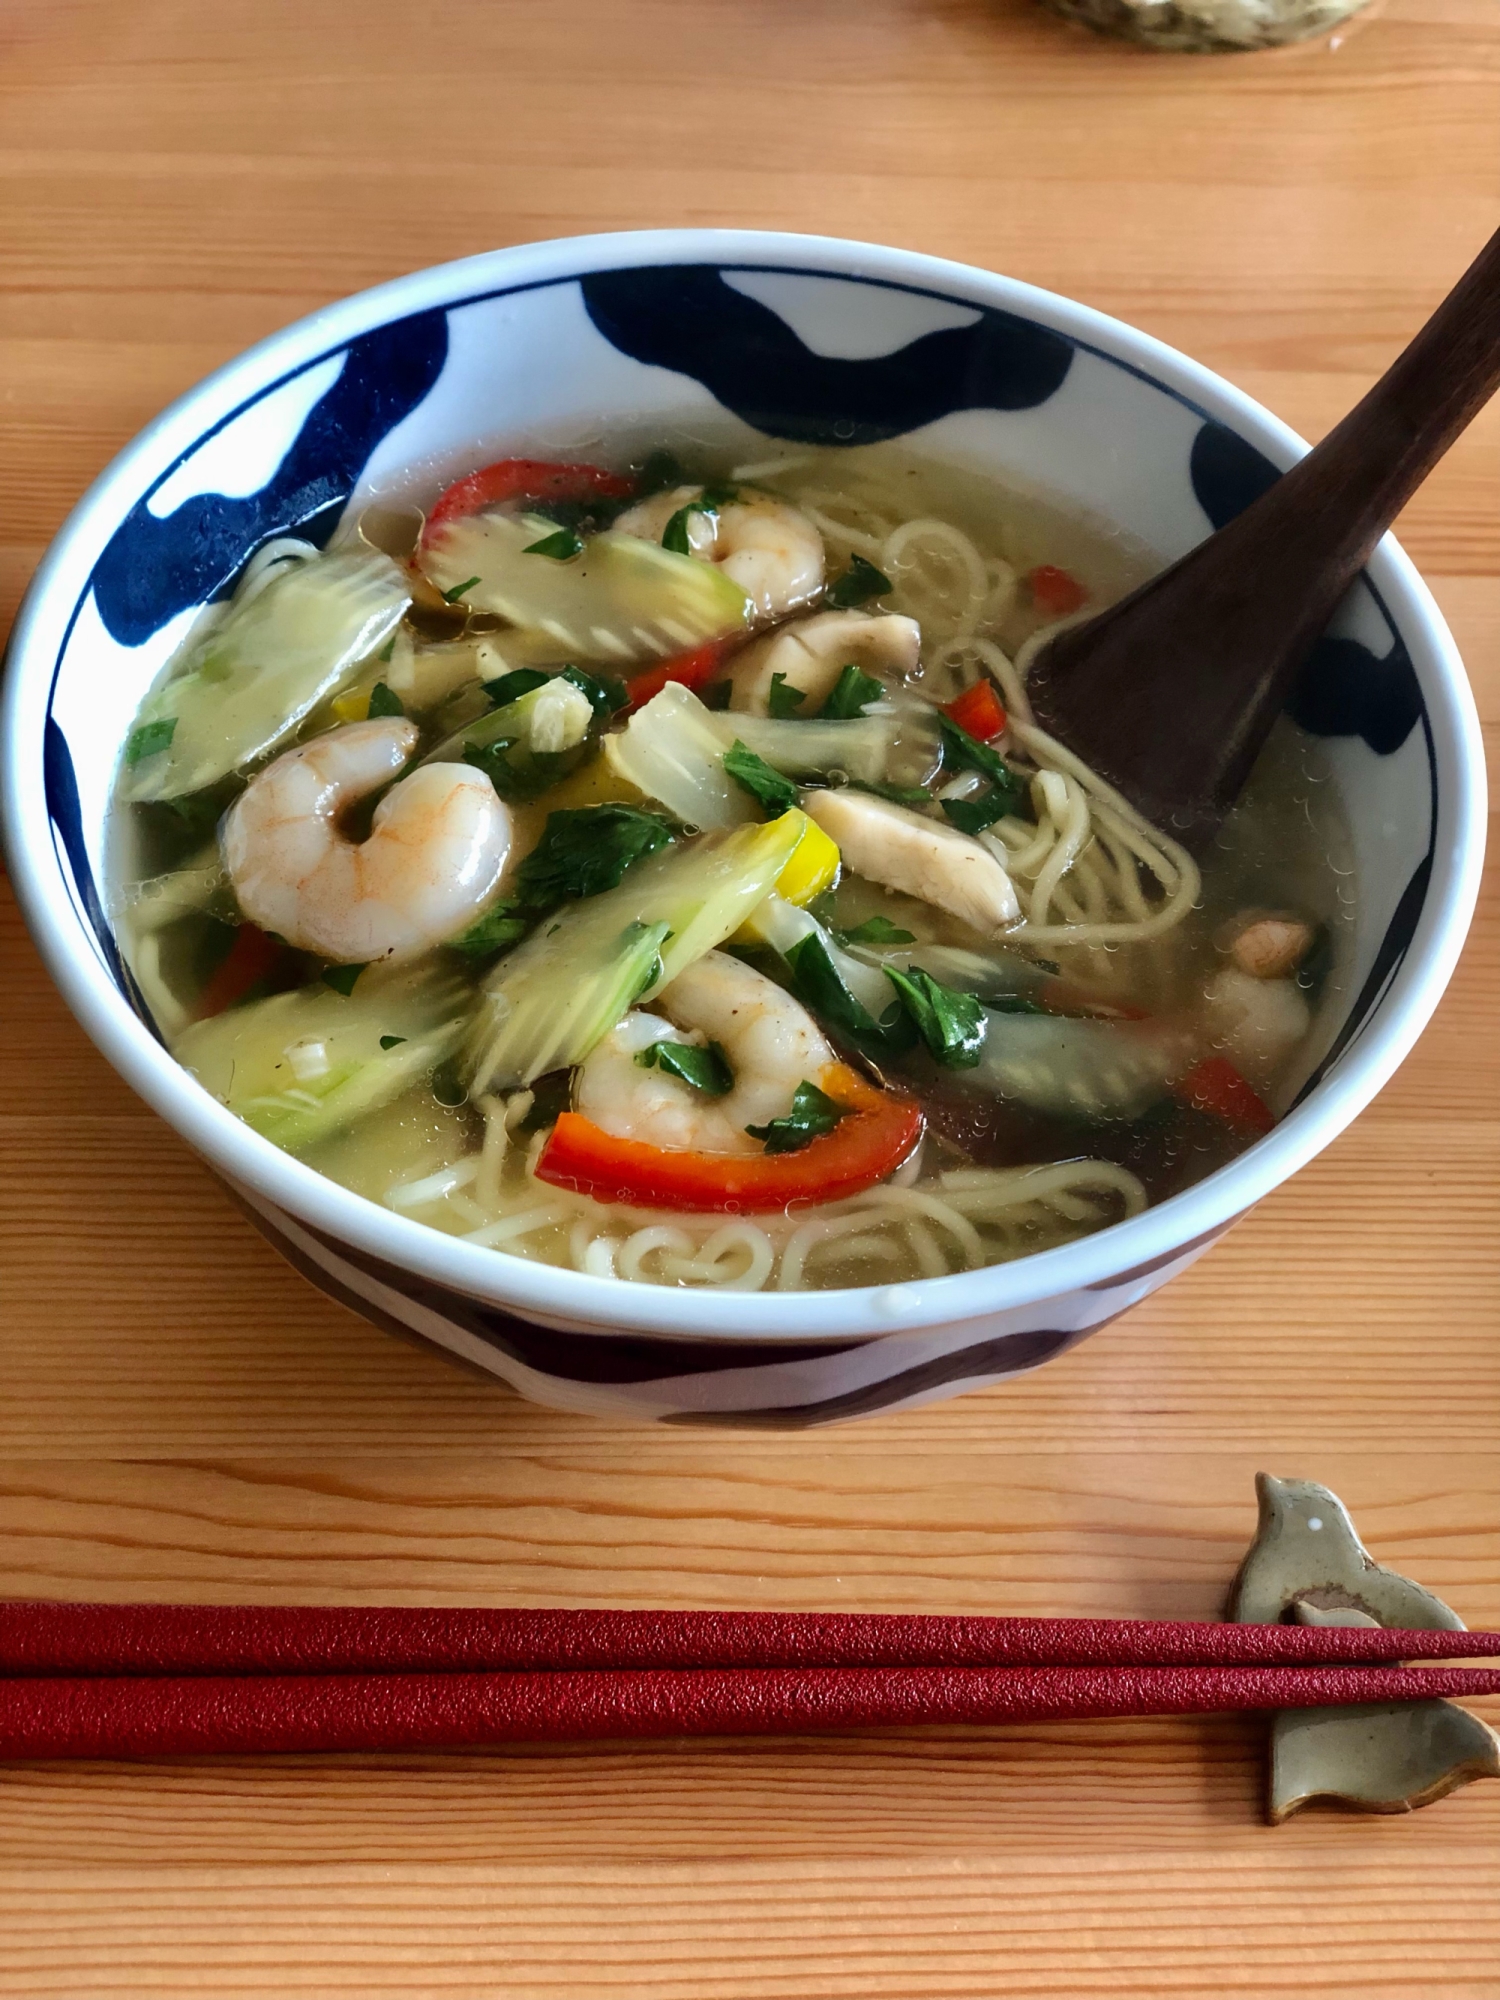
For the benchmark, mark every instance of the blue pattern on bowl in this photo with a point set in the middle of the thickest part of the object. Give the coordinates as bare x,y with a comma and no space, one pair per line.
693,320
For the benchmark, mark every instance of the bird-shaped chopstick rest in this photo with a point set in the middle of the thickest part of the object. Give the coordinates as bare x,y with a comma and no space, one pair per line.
1308,1563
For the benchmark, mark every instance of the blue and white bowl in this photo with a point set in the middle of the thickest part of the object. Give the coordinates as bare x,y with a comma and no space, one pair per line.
744,338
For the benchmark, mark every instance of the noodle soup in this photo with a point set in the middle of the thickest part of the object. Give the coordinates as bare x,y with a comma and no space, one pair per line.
658,872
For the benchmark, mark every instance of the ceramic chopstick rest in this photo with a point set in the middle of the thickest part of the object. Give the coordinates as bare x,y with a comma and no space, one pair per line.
1307,1563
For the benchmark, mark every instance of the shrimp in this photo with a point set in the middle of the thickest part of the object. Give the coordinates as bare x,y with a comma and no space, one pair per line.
810,654
436,850
766,546
771,1042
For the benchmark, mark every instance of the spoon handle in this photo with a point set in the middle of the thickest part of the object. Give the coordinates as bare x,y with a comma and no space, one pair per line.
1209,649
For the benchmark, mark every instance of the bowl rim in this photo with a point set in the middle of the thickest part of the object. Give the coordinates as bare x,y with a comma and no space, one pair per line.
1158,1236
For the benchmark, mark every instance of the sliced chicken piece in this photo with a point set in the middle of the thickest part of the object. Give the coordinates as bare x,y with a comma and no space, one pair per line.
903,850
813,652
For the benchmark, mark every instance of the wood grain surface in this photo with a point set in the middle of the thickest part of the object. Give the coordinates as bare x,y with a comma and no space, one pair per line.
182,1417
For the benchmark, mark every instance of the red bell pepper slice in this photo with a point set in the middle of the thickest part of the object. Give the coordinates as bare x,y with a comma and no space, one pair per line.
690,670
1054,591
978,710
525,479
252,957
1217,1087
860,1150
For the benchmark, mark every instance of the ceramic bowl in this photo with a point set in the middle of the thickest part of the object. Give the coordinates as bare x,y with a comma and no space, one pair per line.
750,339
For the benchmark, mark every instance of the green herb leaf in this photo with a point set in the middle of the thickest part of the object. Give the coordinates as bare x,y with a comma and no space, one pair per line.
656,934
391,1041
149,739
384,701
585,850
784,700
550,1097
877,930
605,695
950,1023
812,1114
701,1069
860,582
495,931
452,596
851,691
561,547
755,776
342,977
674,536
817,984
660,471
510,687
388,648
974,815
518,773
718,493
964,752
576,515
898,795
448,1087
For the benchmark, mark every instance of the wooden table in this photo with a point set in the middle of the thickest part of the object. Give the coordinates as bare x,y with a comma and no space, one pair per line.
182,1417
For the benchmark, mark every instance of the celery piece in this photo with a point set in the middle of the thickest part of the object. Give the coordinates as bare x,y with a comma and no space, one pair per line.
239,688
300,1066
1082,1068
672,749
547,1005
621,599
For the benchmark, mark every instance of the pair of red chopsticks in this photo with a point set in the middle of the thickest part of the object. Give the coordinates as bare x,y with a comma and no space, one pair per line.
137,1680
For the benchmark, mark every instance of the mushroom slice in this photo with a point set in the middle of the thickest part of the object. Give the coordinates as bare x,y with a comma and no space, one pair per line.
903,850
810,654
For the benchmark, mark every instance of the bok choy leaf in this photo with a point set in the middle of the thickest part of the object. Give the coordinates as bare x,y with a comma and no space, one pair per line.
239,689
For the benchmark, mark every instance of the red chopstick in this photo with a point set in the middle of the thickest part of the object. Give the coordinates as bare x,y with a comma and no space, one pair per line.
171,1639
134,1717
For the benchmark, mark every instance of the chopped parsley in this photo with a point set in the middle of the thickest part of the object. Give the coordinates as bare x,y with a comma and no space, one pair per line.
755,776
813,1114
974,815
452,596
851,691
963,752
389,647
496,931
701,1069
950,1023
860,582
585,850
784,700
877,930
605,695
384,701
817,982
391,1041
660,471
561,547
896,795
150,739
510,687
550,1097
674,536
342,977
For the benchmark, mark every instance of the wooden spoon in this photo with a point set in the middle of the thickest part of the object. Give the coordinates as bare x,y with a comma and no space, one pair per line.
1171,693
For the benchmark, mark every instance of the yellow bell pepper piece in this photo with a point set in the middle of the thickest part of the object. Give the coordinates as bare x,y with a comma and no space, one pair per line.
353,705
812,867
